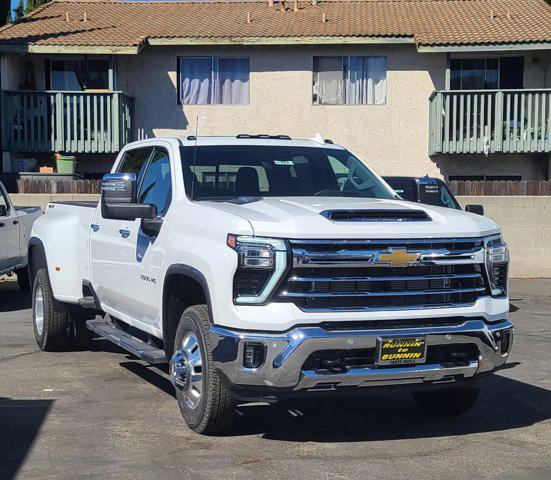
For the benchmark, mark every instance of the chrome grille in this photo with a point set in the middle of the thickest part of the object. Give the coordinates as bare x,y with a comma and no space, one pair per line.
351,274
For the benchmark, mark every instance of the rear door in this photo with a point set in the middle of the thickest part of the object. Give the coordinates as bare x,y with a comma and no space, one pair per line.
112,244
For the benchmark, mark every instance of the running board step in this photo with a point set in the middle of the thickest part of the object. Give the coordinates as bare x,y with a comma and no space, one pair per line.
132,344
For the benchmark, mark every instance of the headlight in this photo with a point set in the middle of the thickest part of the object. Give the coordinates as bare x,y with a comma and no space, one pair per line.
497,264
260,264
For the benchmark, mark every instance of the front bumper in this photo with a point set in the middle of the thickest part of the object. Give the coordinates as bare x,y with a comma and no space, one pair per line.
286,354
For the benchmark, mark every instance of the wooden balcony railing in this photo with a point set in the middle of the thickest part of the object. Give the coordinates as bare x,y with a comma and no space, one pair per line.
489,121
68,122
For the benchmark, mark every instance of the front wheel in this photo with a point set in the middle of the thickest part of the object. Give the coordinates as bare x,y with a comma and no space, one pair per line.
447,402
205,403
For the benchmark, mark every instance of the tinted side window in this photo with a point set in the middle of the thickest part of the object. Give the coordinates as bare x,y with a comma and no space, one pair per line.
135,161
156,188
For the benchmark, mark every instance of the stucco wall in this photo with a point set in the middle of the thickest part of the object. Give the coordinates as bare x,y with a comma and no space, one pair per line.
393,138
526,225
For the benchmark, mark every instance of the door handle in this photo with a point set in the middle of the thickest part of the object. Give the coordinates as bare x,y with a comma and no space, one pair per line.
15,222
124,232
2,224
94,227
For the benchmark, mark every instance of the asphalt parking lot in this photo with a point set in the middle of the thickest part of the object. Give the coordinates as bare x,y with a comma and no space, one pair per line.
103,414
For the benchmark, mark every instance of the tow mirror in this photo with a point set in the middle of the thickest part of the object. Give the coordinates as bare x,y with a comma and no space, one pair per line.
118,198
478,209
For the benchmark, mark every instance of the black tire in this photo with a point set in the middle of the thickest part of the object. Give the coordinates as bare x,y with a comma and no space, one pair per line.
23,279
60,330
215,410
447,402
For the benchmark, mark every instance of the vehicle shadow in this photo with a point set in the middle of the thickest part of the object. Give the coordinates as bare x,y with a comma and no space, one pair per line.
20,422
12,299
388,414
503,404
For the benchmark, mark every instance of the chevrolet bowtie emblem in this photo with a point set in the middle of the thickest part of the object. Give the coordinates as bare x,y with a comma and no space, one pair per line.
399,257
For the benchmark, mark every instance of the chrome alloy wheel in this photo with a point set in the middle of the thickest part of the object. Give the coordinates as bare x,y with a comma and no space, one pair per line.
186,370
39,310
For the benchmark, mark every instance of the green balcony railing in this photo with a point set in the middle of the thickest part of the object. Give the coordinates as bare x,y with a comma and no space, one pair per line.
490,121
69,122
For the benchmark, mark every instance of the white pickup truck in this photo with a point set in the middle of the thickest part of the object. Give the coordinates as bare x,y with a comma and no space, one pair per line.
15,229
263,267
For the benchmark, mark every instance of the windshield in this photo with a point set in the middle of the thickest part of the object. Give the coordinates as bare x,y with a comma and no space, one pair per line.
230,171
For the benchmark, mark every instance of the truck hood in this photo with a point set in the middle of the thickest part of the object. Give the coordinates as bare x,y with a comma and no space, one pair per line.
301,217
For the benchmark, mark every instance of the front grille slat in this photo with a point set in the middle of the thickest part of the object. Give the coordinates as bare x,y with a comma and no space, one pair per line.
381,294
359,285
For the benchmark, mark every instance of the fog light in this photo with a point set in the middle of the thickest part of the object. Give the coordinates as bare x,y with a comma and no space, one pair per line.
254,355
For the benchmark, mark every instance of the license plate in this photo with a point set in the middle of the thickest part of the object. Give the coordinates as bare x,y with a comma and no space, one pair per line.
399,351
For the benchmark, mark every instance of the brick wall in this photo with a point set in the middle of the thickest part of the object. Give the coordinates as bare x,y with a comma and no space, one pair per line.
526,225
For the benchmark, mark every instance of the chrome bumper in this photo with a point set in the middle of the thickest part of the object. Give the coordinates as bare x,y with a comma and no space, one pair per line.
286,354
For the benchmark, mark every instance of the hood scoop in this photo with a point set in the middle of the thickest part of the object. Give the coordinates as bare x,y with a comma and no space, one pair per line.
385,215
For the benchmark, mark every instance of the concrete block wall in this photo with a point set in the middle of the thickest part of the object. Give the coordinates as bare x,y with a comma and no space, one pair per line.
526,225
42,200
525,222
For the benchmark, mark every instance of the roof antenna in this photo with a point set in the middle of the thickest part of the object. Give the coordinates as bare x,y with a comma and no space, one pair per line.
193,177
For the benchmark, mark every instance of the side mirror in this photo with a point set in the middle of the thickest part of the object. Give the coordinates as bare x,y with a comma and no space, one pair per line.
478,209
118,198
3,210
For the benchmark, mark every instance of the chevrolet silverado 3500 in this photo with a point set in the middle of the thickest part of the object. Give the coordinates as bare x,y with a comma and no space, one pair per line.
264,267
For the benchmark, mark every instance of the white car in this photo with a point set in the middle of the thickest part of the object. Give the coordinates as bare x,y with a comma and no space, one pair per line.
15,228
263,267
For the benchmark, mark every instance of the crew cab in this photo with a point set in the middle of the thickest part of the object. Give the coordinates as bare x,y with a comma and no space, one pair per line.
15,229
264,267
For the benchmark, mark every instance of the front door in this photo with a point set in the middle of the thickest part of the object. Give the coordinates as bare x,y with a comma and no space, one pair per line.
112,245
142,272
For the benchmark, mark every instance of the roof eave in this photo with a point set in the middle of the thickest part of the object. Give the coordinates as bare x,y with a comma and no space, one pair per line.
302,40
71,49
485,47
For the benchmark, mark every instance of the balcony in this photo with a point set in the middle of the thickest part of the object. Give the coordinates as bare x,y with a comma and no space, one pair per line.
69,122
490,121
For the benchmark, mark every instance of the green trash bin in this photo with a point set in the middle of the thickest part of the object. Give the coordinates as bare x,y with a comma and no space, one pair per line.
66,164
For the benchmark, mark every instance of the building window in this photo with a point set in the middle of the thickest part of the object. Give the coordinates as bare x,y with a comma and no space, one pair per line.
486,73
213,80
349,80
79,74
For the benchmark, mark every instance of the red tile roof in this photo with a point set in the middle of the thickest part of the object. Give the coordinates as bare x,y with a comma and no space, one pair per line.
427,22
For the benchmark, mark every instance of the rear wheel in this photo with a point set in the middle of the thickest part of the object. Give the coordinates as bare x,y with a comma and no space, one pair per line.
447,402
23,279
55,329
205,403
